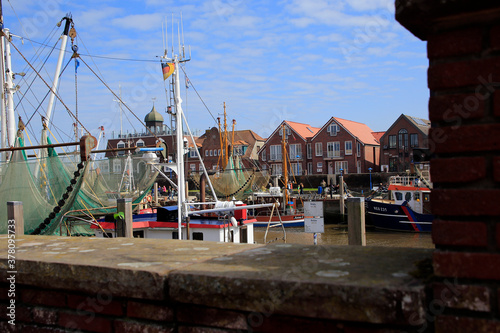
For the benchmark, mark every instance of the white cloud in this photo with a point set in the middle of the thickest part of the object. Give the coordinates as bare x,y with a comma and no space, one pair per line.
143,22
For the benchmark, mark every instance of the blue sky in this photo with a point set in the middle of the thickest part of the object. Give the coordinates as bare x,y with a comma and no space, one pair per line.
302,61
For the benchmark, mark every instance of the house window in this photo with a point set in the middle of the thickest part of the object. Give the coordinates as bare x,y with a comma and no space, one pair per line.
309,150
117,166
296,169
414,140
333,149
275,153
218,152
319,167
348,147
392,141
309,168
121,144
263,155
319,148
104,165
192,167
341,165
403,138
333,129
206,152
264,170
358,149
287,131
193,152
295,151
139,143
276,169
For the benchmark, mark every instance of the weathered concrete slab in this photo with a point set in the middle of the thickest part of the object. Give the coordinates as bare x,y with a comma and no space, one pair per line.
366,284
122,266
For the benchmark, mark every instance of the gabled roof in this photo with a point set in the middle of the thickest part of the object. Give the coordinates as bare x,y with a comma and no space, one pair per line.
360,131
378,135
304,130
423,125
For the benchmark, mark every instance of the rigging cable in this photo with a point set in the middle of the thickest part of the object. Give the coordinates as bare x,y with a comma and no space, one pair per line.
201,99
45,82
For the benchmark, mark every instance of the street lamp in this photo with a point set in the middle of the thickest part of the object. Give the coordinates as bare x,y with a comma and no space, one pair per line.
370,170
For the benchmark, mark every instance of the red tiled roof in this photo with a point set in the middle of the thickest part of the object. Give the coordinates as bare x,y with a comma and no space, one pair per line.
378,135
359,130
304,130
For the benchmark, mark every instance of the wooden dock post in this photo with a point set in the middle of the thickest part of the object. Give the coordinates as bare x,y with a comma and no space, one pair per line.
15,213
341,190
356,221
124,228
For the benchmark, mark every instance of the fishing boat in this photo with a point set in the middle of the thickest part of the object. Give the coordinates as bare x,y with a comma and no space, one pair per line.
287,211
404,207
222,221
48,179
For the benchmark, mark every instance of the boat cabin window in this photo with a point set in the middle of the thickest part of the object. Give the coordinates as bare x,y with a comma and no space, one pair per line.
398,195
108,235
416,196
175,235
138,234
197,236
427,197
408,196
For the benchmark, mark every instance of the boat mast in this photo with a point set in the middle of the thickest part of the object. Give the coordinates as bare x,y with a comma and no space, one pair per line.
285,166
55,84
11,122
3,115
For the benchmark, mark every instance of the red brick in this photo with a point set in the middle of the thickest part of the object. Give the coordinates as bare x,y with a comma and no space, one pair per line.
149,311
466,202
496,168
467,265
454,109
43,297
88,322
23,314
193,329
458,233
495,37
470,138
96,303
4,290
460,170
24,328
463,73
447,324
45,316
277,323
455,43
496,103
467,297
212,317
127,326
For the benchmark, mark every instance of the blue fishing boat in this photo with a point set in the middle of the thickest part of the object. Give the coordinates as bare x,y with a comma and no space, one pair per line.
406,207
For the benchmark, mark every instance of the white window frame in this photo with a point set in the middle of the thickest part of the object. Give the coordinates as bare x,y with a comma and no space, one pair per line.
296,169
348,147
333,149
341,164
275,153
309,150
319,167
263,155
318,148
309,168
358,148
295,152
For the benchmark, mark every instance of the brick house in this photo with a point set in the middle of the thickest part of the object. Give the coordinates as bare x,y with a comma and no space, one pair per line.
297,134
405,134
246,145
343,144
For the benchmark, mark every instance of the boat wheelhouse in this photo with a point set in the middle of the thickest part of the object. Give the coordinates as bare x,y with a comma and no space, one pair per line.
406,207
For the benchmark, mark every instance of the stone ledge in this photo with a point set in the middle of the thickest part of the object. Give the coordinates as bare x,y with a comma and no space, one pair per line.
362,284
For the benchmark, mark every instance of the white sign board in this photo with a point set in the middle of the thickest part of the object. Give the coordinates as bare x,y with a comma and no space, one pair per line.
313,208
315,225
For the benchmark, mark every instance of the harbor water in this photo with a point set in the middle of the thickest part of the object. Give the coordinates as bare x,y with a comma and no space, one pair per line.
336,234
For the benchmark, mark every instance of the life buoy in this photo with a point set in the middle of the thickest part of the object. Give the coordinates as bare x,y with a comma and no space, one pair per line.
149,198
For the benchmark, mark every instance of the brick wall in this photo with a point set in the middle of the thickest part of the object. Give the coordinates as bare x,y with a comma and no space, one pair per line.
464,107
